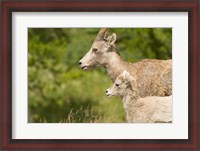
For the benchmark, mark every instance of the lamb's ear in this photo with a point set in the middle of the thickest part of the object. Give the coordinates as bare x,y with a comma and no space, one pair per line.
126,75
112,39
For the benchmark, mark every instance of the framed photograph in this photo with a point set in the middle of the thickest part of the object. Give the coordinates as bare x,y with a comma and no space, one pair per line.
107,75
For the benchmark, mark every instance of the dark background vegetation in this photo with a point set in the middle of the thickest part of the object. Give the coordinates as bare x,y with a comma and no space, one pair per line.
59,91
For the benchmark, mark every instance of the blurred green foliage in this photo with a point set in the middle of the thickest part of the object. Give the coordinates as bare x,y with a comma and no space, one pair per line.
59,91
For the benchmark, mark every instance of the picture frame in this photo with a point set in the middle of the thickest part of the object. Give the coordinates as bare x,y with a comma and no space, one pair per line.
10,6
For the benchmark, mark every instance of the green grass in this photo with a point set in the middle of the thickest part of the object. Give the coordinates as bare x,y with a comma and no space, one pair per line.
79,99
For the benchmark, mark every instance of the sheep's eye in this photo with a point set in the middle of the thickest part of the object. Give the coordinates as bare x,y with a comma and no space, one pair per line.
117,85
95,49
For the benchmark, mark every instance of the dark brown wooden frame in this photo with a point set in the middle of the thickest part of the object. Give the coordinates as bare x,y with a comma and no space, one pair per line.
7,7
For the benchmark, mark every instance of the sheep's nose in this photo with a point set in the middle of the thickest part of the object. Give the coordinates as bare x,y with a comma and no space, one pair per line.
106,91
80,62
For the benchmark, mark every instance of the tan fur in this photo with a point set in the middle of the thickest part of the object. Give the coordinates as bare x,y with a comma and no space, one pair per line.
154,77
140,110
149,110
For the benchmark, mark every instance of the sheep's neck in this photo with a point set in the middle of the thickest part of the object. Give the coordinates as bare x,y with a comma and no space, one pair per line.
129,98
115,65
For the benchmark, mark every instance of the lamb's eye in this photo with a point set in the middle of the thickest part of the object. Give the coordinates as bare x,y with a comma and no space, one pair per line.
95,49
117,85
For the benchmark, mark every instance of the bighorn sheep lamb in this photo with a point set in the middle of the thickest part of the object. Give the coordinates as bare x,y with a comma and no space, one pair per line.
140,110
154,77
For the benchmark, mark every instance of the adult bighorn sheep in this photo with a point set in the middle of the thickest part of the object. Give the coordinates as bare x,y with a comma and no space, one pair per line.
154,77
152,109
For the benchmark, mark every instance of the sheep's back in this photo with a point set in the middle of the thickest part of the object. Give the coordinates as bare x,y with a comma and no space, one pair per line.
154,77
150,110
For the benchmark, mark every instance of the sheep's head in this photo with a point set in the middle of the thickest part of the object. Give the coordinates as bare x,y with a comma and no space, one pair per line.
97,54
121,84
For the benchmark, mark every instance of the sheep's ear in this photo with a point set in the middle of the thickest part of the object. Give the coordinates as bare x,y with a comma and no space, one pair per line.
126,75
102,34
112,39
